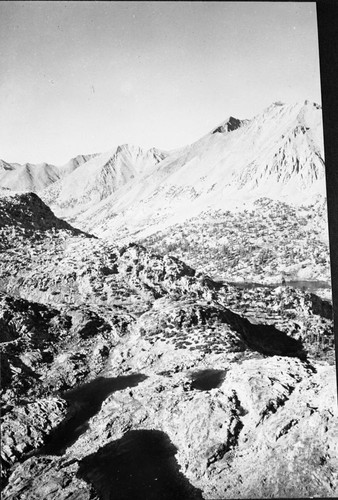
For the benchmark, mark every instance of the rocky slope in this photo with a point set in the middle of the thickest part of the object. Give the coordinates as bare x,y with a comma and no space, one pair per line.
264,243
127,374
246,202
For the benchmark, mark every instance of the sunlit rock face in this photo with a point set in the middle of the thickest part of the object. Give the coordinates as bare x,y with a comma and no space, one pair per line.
127,373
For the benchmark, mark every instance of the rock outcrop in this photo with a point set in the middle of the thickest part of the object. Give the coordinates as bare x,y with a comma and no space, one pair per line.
108,351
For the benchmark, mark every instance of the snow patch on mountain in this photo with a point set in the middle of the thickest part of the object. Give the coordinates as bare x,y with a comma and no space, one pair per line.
27,177
100,177
36,177
279,154
127,190
75,163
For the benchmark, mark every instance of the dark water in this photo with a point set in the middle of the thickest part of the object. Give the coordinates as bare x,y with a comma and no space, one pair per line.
86,401
204,380
309,286
139,466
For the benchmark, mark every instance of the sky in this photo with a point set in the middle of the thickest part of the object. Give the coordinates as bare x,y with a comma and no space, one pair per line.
83,77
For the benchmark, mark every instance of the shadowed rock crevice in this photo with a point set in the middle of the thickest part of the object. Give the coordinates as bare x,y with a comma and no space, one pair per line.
265,339
141,465
8,332
15,373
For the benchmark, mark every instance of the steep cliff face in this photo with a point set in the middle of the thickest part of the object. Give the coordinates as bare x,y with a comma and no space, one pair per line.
125,371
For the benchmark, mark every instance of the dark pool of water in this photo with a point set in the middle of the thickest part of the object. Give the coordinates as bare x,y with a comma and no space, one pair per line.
309,286
204,380
85,402
139,466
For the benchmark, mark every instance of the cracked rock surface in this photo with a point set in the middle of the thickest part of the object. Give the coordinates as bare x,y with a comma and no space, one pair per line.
119,364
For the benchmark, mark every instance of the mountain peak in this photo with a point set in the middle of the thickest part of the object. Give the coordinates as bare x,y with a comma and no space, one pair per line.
127,147
6,166
228,125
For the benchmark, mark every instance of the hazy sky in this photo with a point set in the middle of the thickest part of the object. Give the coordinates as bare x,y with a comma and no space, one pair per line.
83,77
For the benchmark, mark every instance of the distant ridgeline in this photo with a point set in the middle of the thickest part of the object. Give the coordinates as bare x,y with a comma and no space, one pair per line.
278,153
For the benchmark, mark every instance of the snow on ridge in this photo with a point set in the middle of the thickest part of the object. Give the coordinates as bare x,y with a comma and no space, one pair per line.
27,177
278,153
100,177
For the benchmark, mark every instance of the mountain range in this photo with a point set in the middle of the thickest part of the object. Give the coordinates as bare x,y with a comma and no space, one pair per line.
278,154
36,177
148,369
168,199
